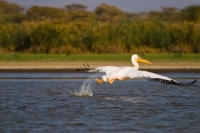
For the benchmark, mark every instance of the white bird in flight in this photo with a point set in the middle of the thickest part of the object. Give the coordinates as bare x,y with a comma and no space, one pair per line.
112,73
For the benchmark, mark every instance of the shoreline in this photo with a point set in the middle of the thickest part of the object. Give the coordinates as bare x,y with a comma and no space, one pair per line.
74,70
72,66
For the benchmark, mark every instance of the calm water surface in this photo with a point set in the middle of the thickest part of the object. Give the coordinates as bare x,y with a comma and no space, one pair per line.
41,102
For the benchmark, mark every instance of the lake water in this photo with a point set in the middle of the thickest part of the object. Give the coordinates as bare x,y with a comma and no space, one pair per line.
42,102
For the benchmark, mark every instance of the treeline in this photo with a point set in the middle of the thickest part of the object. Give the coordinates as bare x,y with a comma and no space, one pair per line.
108,29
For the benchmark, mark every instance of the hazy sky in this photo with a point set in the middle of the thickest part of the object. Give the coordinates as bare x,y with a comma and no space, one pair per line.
125,5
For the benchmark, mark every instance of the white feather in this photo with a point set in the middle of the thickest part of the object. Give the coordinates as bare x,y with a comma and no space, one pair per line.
112,73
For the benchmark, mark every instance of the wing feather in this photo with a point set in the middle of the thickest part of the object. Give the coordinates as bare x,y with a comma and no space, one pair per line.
157,78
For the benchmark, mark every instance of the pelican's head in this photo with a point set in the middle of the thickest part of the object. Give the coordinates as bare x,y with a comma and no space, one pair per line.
136,58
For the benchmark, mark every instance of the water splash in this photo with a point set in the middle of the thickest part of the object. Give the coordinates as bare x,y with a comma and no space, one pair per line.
85,89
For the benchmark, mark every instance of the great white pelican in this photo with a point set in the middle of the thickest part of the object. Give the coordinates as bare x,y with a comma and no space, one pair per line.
112,73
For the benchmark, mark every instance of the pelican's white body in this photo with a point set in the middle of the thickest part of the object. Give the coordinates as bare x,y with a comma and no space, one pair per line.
127,72
113,72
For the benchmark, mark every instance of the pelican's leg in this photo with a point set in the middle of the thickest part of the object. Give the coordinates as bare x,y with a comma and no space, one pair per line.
110,81
98,80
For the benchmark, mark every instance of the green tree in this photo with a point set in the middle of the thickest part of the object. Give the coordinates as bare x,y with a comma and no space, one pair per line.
78,12
170,13
106,12
44,37
10,12
191,13
10,8
44,12
75,7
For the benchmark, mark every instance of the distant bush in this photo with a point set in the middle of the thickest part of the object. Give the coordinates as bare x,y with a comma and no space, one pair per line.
99,37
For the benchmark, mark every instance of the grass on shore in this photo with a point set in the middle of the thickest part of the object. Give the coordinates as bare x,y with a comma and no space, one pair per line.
96,57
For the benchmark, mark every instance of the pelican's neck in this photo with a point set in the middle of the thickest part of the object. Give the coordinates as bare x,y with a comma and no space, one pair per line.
136,65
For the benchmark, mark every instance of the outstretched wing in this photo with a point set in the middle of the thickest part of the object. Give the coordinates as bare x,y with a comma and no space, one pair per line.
157,78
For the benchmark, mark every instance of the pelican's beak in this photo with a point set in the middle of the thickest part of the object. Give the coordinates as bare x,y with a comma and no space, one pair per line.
139,59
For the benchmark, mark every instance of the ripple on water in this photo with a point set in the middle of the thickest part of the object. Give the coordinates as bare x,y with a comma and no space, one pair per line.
128,106
127,99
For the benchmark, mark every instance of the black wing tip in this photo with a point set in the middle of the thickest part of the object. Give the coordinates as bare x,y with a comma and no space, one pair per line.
191,83
173,82
188,84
